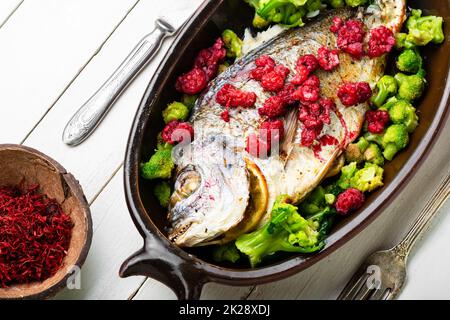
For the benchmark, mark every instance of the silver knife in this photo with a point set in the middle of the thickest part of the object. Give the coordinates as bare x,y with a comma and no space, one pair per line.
89,116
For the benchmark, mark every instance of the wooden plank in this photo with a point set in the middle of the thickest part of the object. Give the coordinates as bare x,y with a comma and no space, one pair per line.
115,238
7,8
43,49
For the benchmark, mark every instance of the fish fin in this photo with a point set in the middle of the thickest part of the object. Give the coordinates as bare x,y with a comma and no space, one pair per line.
290,125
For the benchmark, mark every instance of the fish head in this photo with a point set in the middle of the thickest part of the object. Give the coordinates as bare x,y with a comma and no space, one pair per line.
211,190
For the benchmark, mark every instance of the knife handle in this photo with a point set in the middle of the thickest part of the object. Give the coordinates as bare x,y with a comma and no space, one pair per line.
89,116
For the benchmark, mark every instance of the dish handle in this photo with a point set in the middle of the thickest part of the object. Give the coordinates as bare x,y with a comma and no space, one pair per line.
160,262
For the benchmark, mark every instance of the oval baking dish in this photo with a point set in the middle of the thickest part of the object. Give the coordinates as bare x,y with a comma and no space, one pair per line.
186,272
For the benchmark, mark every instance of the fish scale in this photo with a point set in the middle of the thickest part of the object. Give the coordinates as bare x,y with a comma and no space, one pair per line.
304,169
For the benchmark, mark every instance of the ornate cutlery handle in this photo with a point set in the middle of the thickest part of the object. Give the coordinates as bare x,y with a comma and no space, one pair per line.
89,116
428,212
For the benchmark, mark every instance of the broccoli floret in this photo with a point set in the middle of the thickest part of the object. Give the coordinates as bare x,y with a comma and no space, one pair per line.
175,111
410,87
337,3
374,155
404,113
189,101
296,19
287,12
376,138
355,151
313,5
159,166
409,61
162,193
259,22
368,179
387,87
227,252
286,231
314,202
233,43
391,101
423,30
347,174
421,73
330,198
355,3
395,139
402,42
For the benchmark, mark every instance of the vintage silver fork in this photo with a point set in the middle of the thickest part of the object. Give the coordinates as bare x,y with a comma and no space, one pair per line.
383,274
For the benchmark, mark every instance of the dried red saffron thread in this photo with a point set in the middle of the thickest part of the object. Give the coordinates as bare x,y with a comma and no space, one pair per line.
34,236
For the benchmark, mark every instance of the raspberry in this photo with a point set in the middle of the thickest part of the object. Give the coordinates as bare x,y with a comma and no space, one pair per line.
312,81
274,80
349,200
300,77
192,82
230,96
337,24
308,62
177,131
286,94
327,105
264,64
274,107
225,115
328,59
364,91
307,94
308,137
205,68
209,59
257,147
314,116
265,61
377,120
381,41
353,93
273,130
350,38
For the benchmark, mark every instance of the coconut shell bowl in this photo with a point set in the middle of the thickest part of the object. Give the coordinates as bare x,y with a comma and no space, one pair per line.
27,167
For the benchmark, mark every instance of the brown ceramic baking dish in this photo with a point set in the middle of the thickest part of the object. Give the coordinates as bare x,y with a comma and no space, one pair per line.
187,272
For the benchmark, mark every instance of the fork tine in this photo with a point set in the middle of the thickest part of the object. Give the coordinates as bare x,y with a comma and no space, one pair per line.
364,293
354,286
389,295
379,294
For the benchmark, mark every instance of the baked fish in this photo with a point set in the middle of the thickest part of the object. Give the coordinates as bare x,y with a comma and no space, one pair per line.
221,191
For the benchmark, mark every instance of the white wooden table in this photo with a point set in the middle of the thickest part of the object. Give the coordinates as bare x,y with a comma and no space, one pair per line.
55,53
